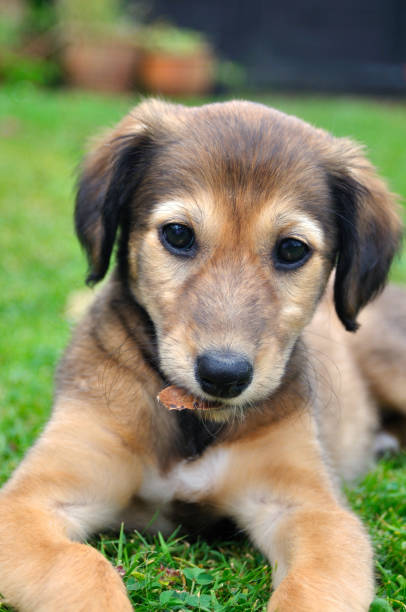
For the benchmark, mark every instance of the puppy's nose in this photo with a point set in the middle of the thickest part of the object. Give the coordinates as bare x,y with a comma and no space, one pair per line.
223,373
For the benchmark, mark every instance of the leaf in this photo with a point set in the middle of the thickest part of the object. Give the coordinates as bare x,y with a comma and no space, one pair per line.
163,544
203,602
138,575
121,541
198,574
167,597
132,585
204,578
380,605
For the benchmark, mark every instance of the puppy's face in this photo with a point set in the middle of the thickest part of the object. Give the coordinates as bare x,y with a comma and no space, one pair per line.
230,278
228,235
229,290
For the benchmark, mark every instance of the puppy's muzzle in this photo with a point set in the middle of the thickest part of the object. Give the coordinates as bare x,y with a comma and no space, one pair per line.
223,373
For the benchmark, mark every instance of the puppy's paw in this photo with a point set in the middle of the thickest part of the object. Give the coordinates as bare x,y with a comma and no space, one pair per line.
82,580
315,597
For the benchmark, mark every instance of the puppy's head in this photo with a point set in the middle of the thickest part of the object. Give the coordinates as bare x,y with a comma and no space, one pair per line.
230,219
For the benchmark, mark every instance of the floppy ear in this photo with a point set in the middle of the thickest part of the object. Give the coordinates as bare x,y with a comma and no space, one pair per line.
369,229
108,181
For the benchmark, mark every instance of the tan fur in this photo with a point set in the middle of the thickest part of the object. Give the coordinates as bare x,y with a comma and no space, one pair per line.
243,177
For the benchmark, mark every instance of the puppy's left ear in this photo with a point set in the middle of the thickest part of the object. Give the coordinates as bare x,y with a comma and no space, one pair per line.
369,229
108,179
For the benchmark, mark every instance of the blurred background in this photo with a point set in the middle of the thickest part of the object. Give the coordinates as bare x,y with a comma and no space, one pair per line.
178,47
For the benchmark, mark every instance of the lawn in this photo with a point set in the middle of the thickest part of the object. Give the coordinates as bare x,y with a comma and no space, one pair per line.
42,137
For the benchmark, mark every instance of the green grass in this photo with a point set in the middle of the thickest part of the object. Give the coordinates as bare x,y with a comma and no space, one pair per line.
42,135
174,574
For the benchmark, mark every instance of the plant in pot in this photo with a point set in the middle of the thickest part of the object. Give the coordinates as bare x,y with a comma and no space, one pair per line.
99,45
175,61
27,52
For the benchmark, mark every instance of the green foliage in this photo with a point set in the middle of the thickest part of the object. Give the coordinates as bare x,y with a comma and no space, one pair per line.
165,38
43,135
173,574
16,65
10,32
380,605
380,499
40,16
16,68
93,18
89,12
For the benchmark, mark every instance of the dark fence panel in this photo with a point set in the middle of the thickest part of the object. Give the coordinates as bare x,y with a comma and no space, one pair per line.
350,45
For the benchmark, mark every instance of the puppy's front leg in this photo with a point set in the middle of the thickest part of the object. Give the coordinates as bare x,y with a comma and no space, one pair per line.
325,562
280,492
74,481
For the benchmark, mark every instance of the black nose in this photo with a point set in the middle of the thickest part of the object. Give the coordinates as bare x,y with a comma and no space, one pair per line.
223,373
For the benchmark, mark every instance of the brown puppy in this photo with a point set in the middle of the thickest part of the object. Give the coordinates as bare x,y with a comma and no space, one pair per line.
230,219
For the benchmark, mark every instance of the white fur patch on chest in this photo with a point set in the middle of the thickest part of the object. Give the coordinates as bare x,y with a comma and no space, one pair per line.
189,481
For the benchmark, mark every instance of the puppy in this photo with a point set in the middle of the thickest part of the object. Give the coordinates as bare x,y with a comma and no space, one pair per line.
229,220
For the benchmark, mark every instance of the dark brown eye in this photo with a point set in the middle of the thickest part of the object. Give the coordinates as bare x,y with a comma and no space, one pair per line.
291,253
178,238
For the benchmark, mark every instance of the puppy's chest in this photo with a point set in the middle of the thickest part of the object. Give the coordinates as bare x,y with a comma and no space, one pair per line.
181,494
189,481
178,495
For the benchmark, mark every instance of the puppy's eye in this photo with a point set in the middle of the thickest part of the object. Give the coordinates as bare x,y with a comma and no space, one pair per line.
291,253
178,238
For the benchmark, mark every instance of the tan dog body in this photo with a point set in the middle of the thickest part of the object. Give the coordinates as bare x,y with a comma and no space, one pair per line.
245,178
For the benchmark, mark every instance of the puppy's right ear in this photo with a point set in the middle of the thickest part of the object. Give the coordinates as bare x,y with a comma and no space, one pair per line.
108,180
368,225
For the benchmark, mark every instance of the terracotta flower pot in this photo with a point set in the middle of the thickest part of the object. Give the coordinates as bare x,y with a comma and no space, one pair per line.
101,64
176,75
